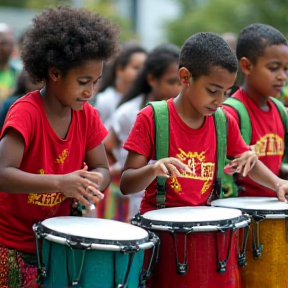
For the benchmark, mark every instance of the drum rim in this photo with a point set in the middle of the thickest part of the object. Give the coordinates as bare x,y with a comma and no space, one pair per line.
45,231
251,211
147,223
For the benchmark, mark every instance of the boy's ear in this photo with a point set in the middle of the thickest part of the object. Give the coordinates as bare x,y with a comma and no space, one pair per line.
54,73
184,76
245,65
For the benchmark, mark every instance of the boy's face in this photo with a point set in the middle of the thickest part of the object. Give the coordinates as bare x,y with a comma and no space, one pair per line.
207,93
267,76
78,85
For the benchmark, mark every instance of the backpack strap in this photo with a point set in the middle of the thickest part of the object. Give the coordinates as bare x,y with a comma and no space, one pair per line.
283,113
220,121
244,119
161,120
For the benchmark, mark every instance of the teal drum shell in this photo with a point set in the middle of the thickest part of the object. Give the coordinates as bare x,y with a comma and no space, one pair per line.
108,261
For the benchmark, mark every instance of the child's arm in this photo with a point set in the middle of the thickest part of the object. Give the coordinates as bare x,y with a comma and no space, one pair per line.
97,162
13,180
138,175
248,164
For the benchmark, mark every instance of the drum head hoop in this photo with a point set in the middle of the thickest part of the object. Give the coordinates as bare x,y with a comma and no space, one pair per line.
191,216
94,230
251,205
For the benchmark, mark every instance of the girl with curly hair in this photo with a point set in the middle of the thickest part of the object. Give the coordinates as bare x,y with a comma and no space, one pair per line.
51,143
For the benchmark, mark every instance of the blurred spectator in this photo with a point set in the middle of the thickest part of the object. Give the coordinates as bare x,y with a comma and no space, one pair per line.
117,79
231,40
23,86
8,73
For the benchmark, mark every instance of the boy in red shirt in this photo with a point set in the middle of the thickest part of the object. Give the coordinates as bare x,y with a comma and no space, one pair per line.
207,69
49,134
262,52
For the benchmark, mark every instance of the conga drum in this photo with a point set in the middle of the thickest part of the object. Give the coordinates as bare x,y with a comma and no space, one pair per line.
91,253
198,247
267,246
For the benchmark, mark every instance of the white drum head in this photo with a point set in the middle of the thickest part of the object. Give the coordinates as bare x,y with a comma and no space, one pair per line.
250,204
94,228
192,214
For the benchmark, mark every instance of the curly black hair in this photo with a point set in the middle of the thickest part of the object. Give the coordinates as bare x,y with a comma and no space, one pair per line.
204,50
65,37
255,38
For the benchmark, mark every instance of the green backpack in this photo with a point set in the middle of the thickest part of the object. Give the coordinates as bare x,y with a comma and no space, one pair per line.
161,121
229,188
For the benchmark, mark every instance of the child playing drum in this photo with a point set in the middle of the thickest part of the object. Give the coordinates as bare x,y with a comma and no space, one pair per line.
207,69
48,134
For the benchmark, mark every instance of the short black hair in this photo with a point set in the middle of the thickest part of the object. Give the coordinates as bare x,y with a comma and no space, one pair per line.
255,38
204,50
66,37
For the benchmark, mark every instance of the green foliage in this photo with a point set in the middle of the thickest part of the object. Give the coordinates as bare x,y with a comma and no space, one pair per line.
220,16
104,7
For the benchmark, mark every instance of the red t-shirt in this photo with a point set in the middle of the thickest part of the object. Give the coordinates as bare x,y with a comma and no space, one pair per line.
196,148
267,139
44,153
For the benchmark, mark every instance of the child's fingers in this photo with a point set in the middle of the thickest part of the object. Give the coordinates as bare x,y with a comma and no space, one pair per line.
174,172
164,170
179,165
95,192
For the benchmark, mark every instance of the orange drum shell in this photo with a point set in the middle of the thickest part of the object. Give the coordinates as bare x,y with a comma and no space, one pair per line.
270,270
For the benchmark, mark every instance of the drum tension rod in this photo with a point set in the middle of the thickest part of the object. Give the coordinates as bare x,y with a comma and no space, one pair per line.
221,264
182,268
144,275
257,247
242,253
41,269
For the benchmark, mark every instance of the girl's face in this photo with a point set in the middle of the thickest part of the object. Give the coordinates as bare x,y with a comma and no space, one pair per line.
77,86
128,73
168,85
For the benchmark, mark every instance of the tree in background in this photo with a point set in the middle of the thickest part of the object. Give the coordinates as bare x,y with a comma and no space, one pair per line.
104,7
220,16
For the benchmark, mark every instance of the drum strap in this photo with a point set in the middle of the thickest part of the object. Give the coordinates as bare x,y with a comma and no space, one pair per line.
161,134
221,135
161,120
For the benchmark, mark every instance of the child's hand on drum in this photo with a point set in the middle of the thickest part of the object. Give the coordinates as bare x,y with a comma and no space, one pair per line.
243,164
168,167
79,186
282,190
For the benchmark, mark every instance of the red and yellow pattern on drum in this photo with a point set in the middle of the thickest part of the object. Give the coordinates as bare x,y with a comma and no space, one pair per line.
270,269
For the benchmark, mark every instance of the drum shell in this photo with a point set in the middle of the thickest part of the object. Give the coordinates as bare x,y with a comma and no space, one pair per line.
92,253
200,252
268,270
101,268
271,214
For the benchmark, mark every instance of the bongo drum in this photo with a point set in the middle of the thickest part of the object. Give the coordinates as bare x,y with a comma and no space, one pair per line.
198,247
91,253
267,246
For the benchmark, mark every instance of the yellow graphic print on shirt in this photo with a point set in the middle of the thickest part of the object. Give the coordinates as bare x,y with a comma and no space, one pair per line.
201,170
49,199
62,157
268,145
